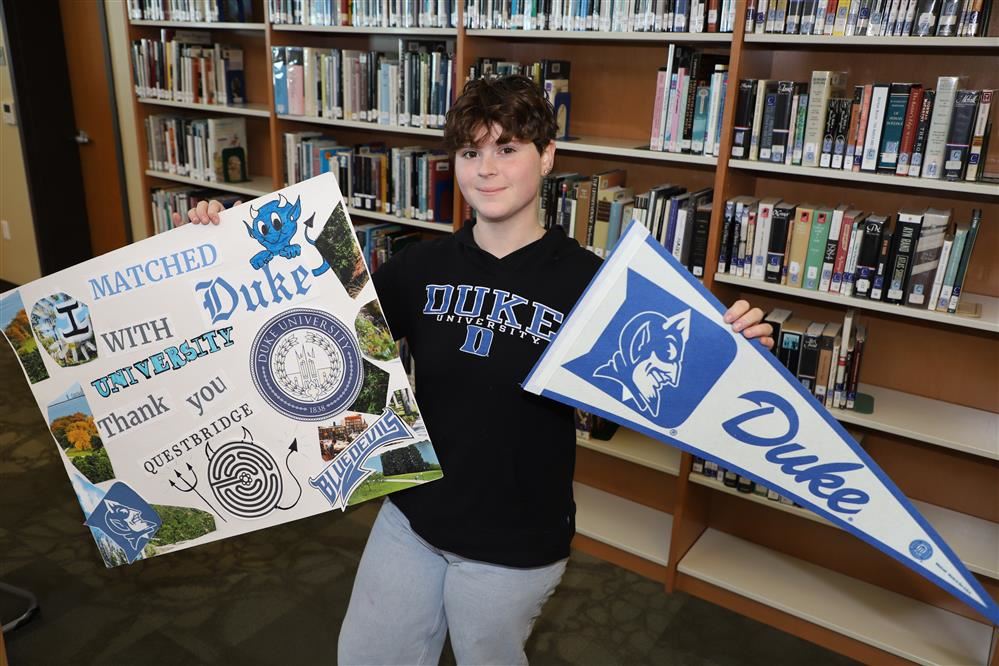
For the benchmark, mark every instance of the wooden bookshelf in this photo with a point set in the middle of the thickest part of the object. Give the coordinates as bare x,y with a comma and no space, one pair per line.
358,30
935,430
204,25
599,36
257,186
874,43
393,219
990,190
366,126
256,110
889,623
623,524
987,306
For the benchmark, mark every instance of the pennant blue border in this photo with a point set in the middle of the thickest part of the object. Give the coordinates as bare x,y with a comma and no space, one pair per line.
989,610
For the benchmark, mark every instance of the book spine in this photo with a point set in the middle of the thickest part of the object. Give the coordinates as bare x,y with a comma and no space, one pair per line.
943,108
922,133
962,269
875,124
829,254
799,129
842,249
938,278
894,124
829,133
959,135
878,281
978,136
850,268
865,112
906,237
947,288
909,127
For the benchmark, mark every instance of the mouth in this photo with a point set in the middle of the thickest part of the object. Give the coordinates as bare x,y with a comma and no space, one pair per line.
491,190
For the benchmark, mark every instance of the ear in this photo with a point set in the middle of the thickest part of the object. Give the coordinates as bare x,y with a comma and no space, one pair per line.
680,323
638,341
548,157
296,210
249,229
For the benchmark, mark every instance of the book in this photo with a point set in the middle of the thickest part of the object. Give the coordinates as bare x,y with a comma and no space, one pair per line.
767,122
831,247
781,127
907,231
922,133
927,256
867,254
791,338
962,269
799,126
842,359
909,127
899,98
776,319
962,125
829,132
798,247
862,122
847,229
884,257
828,358
845,115
816,248
823,86
699,240
953,262
854,377
744,109
978,135
808,356
875,124
279,79
761,241
783,214
936,138
941,270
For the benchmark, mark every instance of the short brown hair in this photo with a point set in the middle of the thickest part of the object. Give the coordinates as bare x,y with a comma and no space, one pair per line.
516,103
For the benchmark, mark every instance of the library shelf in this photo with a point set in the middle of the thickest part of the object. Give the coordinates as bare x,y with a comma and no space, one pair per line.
637,448
974,540
357,124
370,30
863,612
257,186
854,41
623,524
981,189
257,110
605,36
617,147
384,217
199,25
987,321
942,424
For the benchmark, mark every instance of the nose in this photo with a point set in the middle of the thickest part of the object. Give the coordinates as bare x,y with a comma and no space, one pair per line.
487,165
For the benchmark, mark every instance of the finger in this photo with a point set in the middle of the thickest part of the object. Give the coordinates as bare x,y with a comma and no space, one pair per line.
758,331
736,310
192,215
176,219
203,212
767,342
753,316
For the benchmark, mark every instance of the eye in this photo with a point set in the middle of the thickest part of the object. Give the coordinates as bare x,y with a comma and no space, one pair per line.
263,228
276,221
506,150
469,154
671,352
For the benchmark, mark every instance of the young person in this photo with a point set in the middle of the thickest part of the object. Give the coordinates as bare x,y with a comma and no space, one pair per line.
477,553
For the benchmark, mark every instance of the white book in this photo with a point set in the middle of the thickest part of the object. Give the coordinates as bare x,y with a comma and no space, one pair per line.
824,84
850,269
839,360
938,279
710,135
825,275
875,123
681,230
789,148
761,16
936,139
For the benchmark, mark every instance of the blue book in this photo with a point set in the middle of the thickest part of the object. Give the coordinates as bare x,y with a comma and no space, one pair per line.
614,230
280,80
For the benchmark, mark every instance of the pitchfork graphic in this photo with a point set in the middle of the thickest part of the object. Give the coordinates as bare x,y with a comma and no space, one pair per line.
193,487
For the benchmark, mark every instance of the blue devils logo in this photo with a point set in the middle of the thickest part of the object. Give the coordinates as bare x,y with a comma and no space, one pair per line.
127,519
649,358
656,355
347,471
274,227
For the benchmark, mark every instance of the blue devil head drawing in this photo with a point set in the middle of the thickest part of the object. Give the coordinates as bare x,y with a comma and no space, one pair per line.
649,358
128,523
274,226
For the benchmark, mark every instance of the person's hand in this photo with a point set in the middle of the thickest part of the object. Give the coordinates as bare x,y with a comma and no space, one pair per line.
747,320
206,212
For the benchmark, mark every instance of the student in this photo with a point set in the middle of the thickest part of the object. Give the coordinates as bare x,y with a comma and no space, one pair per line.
477,553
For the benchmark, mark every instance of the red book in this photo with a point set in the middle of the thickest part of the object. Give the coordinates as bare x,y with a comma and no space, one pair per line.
909,130
712,16
842,249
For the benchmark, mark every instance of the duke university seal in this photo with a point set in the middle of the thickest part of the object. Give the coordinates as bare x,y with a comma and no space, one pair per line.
306,364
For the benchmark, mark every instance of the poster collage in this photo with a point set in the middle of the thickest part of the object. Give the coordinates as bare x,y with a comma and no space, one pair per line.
220,379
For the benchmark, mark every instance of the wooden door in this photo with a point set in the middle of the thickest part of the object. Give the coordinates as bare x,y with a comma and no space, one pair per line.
84,35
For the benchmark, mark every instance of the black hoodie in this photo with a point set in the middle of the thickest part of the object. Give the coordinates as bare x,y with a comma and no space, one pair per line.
476,325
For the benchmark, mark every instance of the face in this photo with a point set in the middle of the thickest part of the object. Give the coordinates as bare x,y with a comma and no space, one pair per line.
500,181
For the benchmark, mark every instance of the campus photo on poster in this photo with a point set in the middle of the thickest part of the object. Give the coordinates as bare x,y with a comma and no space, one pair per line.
219,379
